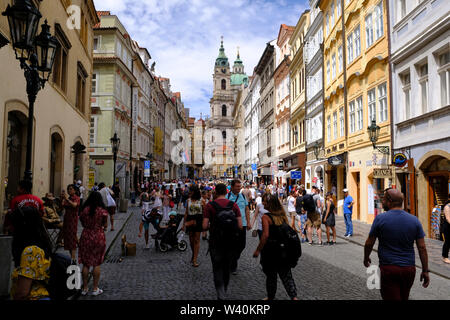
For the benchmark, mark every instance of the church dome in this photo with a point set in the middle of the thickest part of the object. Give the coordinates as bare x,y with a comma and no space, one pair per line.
222,60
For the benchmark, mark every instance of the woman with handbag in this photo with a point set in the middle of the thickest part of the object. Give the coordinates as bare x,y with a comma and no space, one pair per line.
193,219
329,219
259,212
109,203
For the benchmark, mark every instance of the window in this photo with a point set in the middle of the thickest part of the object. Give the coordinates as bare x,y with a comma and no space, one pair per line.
329,128
224,111
93,130
357,41
96,44
444,74
341,121
328,72
332,15
59,76
340,57
119,49
328,24
406,82
382,102
379,20
224,135
338,8
335,124
81,88
359,114
350,48
333,63
118,85
94,83
369,31
224,84
352,116
423,82
372,104
401,9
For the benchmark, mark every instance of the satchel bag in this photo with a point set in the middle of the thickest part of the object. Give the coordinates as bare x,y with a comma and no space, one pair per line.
111,202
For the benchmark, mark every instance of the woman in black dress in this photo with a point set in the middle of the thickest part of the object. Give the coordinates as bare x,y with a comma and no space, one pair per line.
329,218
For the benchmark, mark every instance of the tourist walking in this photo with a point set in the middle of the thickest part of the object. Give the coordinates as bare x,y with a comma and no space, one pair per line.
206,197
108,201
348,210
329,219
292,213
92,246
70,203
193,219
31,250
396,231
314,221
302,214
446,232
223,219
272,262
259,213
236,196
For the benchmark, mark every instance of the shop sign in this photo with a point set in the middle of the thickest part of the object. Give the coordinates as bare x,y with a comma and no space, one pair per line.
382,173
296,175
399,160
147,168
99,162
336,160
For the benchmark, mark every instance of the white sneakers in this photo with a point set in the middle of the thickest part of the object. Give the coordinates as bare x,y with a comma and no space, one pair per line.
147,246
97,292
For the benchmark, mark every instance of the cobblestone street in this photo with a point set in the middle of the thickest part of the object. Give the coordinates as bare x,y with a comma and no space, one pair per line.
323,273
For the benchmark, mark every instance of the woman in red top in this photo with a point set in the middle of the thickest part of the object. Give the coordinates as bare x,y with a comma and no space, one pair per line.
92,247
71,203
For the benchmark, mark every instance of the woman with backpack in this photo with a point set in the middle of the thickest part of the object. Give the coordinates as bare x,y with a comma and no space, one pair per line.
272,262
31,251
193,219
329,219
92,246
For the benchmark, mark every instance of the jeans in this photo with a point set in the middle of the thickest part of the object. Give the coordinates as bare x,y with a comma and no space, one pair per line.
242,243
348,224
221,264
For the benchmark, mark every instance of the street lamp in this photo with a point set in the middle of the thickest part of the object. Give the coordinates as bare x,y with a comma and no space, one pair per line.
317,150
115,142
36,55
374,133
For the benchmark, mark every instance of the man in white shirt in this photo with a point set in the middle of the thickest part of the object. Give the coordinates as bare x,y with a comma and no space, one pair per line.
253,193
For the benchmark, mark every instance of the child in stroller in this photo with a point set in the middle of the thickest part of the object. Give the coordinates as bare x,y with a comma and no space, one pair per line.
168,234
153,217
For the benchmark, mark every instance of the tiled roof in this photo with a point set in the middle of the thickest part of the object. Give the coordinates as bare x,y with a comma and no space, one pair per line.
99,14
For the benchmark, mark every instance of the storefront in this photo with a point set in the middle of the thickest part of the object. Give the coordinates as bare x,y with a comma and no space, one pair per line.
433,190
336,178
295,162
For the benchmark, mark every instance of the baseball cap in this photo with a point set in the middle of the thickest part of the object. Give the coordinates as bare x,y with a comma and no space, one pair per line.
345,190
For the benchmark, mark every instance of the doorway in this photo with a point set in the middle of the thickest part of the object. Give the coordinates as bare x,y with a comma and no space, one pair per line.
56,164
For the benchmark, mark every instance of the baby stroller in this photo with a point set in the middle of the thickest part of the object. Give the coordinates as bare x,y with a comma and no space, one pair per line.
171,237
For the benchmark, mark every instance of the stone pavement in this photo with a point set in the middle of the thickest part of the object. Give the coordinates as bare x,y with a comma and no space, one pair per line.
434,247
323,273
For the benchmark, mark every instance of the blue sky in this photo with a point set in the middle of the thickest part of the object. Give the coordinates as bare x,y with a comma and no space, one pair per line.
183,36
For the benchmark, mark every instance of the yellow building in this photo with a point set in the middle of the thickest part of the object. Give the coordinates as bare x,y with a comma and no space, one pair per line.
356,76
297,159
62,112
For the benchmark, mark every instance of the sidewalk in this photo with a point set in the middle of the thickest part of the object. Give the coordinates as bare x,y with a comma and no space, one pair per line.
120,220
361,231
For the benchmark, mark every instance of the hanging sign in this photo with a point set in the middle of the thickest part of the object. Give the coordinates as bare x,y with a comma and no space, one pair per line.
399,160
382,173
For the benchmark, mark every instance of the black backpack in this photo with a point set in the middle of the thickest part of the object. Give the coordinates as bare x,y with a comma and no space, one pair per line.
57,285
308,203
298,205
225,231
285,243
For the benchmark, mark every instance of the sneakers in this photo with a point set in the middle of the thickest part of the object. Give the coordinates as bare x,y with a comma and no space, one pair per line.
84,292
97,292
320,244
147,246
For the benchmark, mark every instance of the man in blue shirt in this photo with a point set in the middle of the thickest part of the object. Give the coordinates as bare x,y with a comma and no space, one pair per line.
397,231
236,196
348,210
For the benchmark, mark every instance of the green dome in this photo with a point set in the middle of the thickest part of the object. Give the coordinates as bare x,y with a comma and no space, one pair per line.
239,78
222,59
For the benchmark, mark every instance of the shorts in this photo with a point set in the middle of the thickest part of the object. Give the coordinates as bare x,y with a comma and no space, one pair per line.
111,210
313,220
146,225
292,214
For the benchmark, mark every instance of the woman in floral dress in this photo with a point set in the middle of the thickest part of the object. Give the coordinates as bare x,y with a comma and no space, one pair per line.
94,218
70,203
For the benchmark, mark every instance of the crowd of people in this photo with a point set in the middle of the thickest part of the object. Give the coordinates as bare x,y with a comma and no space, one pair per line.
220,212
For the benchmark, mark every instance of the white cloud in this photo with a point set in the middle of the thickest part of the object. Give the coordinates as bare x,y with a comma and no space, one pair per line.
183,36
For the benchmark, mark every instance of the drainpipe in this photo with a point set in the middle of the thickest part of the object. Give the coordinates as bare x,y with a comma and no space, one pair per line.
391,106
344,60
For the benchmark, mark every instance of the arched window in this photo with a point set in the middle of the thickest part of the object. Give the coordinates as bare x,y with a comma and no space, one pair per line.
224,111
224,134
224,84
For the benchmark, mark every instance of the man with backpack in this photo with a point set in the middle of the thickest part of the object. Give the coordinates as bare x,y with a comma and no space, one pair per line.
313,217
236,196
301,213
223,218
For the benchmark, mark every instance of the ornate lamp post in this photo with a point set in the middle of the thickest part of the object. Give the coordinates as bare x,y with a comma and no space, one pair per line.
36,55
115,142
374,133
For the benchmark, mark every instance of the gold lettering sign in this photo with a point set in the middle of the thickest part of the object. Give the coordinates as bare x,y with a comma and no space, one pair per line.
382,173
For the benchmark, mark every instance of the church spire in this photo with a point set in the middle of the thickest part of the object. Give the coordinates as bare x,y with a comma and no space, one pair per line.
222,59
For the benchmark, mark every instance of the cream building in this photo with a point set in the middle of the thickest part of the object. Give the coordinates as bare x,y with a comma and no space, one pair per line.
62,112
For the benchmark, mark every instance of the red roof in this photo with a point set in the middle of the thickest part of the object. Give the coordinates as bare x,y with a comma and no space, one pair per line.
101,13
